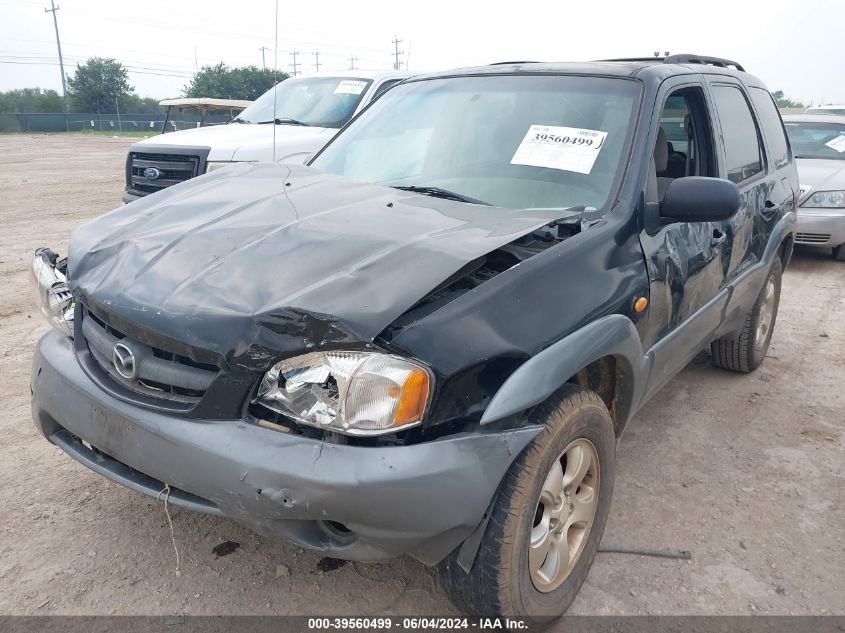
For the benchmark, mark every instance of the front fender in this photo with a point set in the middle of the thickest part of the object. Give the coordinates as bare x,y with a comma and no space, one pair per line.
538,378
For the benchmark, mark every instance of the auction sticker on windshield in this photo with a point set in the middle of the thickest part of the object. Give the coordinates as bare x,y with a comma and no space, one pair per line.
555,147
350,87
838,143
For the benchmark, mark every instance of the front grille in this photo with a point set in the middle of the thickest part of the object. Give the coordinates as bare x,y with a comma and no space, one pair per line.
155,373
812,238
172,168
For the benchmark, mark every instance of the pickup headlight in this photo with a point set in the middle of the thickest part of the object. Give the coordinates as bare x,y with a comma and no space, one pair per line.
355,393
826,199
51,292
215,165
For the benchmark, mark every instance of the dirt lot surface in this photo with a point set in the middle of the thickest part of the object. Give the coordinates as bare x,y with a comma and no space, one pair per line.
747,472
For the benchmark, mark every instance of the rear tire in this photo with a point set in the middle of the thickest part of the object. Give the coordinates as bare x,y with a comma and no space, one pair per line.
839,253
538,546
745,349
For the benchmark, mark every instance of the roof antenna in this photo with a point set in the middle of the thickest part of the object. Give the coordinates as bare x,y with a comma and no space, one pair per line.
275,77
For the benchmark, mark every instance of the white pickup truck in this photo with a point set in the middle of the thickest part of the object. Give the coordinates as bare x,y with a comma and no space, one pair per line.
309,111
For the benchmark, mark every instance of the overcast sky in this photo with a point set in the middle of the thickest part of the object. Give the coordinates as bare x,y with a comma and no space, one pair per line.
795,46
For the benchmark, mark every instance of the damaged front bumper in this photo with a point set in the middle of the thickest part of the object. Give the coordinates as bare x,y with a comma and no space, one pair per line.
352,502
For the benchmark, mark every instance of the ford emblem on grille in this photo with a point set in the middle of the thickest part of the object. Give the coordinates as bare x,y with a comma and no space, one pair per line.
124,361
152,173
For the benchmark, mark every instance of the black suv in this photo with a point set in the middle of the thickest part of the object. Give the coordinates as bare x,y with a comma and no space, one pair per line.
429,340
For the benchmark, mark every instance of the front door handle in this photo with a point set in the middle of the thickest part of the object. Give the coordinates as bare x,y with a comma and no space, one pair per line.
770,208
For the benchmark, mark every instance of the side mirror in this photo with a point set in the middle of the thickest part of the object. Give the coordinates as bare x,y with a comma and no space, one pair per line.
699,199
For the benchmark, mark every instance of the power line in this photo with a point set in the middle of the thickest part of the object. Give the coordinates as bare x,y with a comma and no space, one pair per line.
18,57
59,46
194,28
263,61
397,65
129,69
317,59
352,60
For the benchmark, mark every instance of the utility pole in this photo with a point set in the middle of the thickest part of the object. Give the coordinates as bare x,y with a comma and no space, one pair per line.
294,53
263,60
317,59
53,10
397,65
117,108
352,60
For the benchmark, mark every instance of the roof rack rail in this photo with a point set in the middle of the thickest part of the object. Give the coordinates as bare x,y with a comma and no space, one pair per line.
683,58
632,59
690,58
521,61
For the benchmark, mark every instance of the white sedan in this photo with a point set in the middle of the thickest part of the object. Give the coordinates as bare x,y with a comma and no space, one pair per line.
818,142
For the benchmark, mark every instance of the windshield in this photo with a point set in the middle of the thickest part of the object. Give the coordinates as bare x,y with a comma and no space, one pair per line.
318,101
515,141
816,140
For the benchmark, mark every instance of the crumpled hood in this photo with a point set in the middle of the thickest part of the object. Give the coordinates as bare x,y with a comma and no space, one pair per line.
244,141
259,261
821,175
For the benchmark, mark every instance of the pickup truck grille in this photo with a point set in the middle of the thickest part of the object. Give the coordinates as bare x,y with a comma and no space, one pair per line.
154,373
170,169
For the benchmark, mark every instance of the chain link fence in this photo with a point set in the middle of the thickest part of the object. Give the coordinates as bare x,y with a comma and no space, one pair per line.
88,121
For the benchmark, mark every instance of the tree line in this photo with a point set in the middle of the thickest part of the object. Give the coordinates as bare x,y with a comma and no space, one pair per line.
102,85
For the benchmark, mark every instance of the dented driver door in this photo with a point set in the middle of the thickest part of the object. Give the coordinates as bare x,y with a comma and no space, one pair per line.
686,261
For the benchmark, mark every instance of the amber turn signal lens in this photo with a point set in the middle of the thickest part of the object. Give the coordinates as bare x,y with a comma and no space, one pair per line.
412,401
640,304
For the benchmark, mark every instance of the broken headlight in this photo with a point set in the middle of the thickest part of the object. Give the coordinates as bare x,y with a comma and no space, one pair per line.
50,290
355,393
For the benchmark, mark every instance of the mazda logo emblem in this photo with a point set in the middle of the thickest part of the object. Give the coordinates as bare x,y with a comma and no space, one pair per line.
124,361
152,173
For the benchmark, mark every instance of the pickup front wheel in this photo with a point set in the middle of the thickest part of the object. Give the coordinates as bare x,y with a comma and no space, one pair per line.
548,519
744,350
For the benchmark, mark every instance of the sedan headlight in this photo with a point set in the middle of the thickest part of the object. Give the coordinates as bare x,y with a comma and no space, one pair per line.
355,393
51,292
826,199
215,165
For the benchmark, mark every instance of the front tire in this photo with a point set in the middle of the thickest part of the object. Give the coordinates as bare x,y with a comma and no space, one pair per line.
548,519
744,350
839,253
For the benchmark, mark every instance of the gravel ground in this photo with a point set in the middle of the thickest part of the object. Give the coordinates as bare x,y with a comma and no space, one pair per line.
747,472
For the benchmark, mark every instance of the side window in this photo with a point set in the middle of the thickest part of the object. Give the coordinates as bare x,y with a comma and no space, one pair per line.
684,145
674,123
384,87
772,126
742,144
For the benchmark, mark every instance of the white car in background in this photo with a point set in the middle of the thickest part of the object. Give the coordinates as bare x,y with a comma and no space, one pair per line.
818,143
309,111
826,109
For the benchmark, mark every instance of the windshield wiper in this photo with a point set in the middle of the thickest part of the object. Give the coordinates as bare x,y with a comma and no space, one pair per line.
438,192
239,121
285,121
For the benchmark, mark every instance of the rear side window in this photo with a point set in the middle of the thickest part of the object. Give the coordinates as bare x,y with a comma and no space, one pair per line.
742,144
772,126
